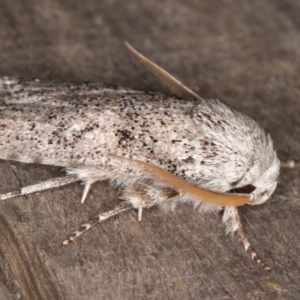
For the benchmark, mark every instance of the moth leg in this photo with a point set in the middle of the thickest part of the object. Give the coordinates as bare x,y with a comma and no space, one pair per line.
146,193
137,195
98,219
42,186
87,186
233,224
140,214
90,175
290,164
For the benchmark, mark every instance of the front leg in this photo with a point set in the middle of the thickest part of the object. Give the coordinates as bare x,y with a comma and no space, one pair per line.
233,224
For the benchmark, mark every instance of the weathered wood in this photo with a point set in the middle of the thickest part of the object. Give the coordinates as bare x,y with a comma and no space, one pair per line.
244,53
5,294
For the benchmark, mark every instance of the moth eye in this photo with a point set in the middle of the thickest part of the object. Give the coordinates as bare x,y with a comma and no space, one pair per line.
247,189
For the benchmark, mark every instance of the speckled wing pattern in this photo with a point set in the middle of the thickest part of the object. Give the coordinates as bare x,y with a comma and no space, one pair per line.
203,142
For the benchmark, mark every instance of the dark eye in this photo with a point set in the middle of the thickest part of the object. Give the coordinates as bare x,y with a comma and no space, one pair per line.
247,189
263,193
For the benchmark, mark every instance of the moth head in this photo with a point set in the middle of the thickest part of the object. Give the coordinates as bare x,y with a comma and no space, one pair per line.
263,186
266,184
261,179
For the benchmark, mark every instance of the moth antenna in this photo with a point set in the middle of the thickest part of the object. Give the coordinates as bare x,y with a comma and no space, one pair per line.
166,78
42,186
290,164
180,185
233,224
98,219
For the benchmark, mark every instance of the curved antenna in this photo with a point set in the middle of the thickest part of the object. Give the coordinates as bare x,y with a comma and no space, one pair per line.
175,85
180,185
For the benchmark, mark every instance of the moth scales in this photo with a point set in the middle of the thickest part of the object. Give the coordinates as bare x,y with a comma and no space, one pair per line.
158,149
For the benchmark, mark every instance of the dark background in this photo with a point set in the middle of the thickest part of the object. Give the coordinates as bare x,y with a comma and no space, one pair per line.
246,53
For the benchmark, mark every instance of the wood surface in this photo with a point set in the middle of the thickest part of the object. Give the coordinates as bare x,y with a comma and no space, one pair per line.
245,53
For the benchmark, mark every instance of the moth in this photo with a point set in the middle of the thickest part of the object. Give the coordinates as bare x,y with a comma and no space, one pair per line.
157,149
